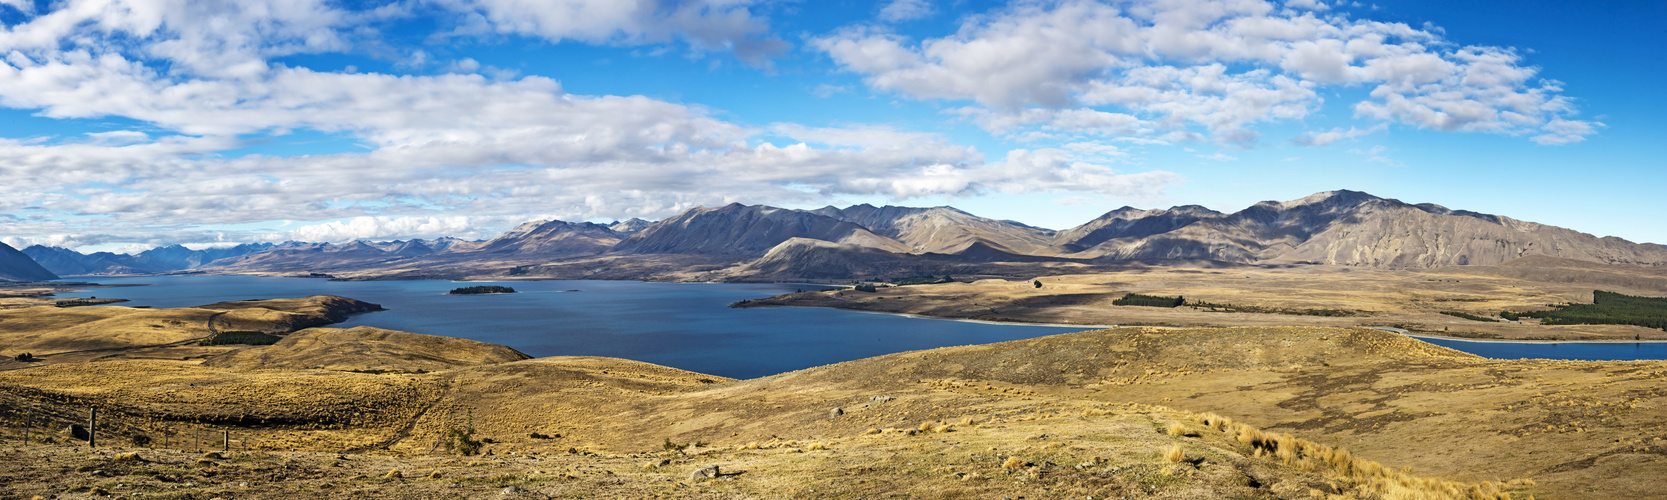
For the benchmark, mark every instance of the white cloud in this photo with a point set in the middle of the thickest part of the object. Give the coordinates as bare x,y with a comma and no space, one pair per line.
1334,135
1375,155
369,228
705,25
22,6
1219,66
826,90
1560,132
905,10
1218,156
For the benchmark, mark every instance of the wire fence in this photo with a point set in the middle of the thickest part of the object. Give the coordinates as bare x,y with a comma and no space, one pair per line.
53,419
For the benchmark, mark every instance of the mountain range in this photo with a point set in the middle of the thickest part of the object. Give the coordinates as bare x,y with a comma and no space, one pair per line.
756,242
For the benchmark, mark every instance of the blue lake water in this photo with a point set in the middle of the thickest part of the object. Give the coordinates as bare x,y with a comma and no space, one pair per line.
682,325
1557,350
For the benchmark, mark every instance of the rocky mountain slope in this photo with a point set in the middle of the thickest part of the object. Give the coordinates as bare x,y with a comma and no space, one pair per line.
943,230
1351,228
66,262
743,230
757,242
17,266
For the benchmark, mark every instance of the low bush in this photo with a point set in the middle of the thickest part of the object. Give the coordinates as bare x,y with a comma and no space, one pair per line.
1468,316
242,337
1607,308
480,290
1135,299
461,440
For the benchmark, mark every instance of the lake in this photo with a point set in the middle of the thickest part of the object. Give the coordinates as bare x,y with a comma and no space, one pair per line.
1609,351
682,325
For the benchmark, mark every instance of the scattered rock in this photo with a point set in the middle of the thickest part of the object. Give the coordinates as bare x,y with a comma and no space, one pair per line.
77,432
707,472
512,490
881,399
835,413
656,465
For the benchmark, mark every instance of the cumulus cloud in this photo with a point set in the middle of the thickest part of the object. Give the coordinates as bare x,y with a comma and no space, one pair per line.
1210,66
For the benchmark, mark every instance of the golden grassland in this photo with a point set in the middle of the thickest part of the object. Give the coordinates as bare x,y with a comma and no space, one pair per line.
77,334
1251,412
1293,295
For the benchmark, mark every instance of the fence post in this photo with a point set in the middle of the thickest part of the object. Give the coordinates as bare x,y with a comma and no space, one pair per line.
92,428
226,434
28,421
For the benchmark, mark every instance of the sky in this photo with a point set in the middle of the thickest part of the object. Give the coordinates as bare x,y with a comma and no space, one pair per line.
130,124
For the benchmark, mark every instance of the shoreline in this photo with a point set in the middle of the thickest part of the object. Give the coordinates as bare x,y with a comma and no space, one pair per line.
1547,342
964,320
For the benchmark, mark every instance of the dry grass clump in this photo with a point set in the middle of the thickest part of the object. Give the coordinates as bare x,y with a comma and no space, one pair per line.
1371,476
393,474
1179,429
1013,463
1175,454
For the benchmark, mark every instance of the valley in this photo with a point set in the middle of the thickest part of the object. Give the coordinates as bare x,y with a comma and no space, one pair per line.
1255,379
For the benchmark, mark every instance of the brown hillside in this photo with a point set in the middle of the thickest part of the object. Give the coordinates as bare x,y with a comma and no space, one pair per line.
366,349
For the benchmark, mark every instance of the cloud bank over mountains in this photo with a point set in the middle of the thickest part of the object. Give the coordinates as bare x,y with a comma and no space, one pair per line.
180,89
1176,69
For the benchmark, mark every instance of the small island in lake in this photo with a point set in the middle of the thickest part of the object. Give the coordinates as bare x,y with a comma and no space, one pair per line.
481,290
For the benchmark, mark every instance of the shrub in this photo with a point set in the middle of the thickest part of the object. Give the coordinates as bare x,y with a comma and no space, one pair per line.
1135,299
1607,308
140,440
922,280
1468,316
24,357
242,337
479,290
461,440
866,287
670,446
1038,283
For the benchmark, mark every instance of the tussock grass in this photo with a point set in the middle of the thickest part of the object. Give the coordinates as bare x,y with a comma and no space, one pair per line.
1175,454
1372,477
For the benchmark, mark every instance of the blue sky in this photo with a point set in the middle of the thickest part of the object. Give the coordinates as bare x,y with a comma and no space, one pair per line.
126,124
